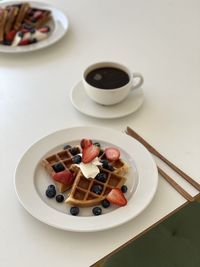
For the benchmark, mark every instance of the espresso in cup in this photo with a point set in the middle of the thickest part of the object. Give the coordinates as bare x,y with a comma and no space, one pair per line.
109,83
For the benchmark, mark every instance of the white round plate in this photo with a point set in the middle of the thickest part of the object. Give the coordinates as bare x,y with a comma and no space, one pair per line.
31,180
59,27
88,107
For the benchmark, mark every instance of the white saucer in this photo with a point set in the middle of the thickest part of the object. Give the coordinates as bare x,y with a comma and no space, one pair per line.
86,106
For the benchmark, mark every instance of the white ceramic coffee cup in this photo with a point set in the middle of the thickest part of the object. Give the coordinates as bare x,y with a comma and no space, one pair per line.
111,96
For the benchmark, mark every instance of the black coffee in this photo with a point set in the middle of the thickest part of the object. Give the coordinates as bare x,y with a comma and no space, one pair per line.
107,78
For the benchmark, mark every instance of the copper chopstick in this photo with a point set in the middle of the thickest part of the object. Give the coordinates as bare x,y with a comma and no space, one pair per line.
157,154
176,186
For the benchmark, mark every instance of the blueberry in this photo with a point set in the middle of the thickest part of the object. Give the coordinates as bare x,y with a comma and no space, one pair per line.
74,211
105,164
58,167
50,192
124,188
105,203
110,167
102,177
59,198
97,211
32,31
77,159
97,144
51,186
20,34
97,189
6,42
66,147
33,41
74,151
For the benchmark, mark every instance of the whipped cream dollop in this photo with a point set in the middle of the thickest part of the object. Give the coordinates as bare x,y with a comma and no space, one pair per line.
90,170
38,35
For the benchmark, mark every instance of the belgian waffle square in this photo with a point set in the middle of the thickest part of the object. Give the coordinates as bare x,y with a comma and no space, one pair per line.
61,161
82,193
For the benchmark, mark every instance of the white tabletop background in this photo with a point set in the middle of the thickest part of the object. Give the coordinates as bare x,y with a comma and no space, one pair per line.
161,40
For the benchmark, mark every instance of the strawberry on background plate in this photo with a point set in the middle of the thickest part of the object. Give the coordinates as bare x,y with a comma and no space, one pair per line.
90,153
112,153
24,42
10,36
116,197
64,177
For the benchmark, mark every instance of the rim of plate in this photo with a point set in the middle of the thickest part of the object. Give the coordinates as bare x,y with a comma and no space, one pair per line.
32,202
61,25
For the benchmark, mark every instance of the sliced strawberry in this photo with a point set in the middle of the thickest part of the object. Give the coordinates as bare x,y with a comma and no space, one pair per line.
117,197
85,143
64,177
89,153
10,36
44,29
112,153
38,14
24,42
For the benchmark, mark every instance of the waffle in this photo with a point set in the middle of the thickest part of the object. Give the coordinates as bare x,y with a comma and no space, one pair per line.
3,18
12,14
120,167
37,18
82,190
63,157
23,9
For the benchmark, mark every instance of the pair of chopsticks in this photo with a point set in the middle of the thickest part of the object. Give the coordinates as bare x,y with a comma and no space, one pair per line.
174,184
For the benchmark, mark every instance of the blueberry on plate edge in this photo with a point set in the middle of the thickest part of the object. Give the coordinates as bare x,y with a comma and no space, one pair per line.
74,211
51,191
97,211
105,203
60,198
124,188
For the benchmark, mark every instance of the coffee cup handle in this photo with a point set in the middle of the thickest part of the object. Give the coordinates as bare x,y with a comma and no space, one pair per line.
140,81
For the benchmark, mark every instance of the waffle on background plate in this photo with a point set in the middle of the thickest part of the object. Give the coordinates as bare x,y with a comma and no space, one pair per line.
21,18
81,192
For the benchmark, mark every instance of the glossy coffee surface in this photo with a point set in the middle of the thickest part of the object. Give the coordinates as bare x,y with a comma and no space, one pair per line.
107,78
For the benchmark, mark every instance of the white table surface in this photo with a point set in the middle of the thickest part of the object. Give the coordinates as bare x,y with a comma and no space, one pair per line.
161,40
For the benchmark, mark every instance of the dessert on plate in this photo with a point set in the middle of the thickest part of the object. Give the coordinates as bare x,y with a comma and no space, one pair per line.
21,24
91,174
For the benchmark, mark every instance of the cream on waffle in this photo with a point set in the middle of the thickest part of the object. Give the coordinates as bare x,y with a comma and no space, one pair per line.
83,190
61,161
